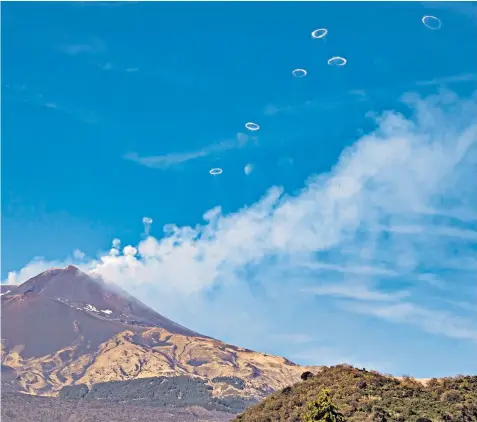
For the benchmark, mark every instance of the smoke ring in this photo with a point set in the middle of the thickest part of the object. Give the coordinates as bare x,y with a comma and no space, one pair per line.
319,33
337,61
299,73
431,22
216,171
252,126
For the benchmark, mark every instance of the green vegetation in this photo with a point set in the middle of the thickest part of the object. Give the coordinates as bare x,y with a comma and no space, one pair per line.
323,409
179,391
17,407
368,396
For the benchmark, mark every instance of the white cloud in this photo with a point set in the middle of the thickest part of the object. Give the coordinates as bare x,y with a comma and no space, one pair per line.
361,229
271,110
166,161
94,45
362,269
355,291
114,252
129,251
432,231
36,266
432,321
79,255
358,94
248,169
433,280
147,222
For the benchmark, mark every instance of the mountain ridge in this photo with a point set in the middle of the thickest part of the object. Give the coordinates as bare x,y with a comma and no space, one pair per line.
364,396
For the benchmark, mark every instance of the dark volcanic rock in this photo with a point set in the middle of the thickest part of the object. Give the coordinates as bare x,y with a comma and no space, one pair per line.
43,326
80,290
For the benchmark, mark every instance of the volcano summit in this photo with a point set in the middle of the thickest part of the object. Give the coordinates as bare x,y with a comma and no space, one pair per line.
66,329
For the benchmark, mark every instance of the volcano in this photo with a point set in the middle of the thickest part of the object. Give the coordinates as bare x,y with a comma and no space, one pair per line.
76,289
60,307
65,328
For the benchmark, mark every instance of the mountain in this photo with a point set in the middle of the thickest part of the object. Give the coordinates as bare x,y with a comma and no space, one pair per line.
362,395
77,289
66,329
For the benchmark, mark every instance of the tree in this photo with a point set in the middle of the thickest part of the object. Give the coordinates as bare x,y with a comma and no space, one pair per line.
323,409
306,375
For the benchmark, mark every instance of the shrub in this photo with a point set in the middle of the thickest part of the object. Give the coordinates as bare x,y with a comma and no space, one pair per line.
323,409
287,390
401,400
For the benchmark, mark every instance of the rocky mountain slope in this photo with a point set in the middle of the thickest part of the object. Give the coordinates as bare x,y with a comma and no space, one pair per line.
7,288
65,328
362,395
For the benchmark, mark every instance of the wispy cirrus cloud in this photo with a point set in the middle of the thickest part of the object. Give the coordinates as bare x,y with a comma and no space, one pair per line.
433,280
464,77
433,321
166,161
113,67
355,291
352,269
438,230
464,8
358,242
272,109
358,94
93,45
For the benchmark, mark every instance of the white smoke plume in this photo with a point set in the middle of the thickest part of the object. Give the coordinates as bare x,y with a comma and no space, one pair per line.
397,209
147,222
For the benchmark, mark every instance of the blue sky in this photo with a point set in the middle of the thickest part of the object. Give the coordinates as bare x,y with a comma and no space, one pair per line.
351,237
